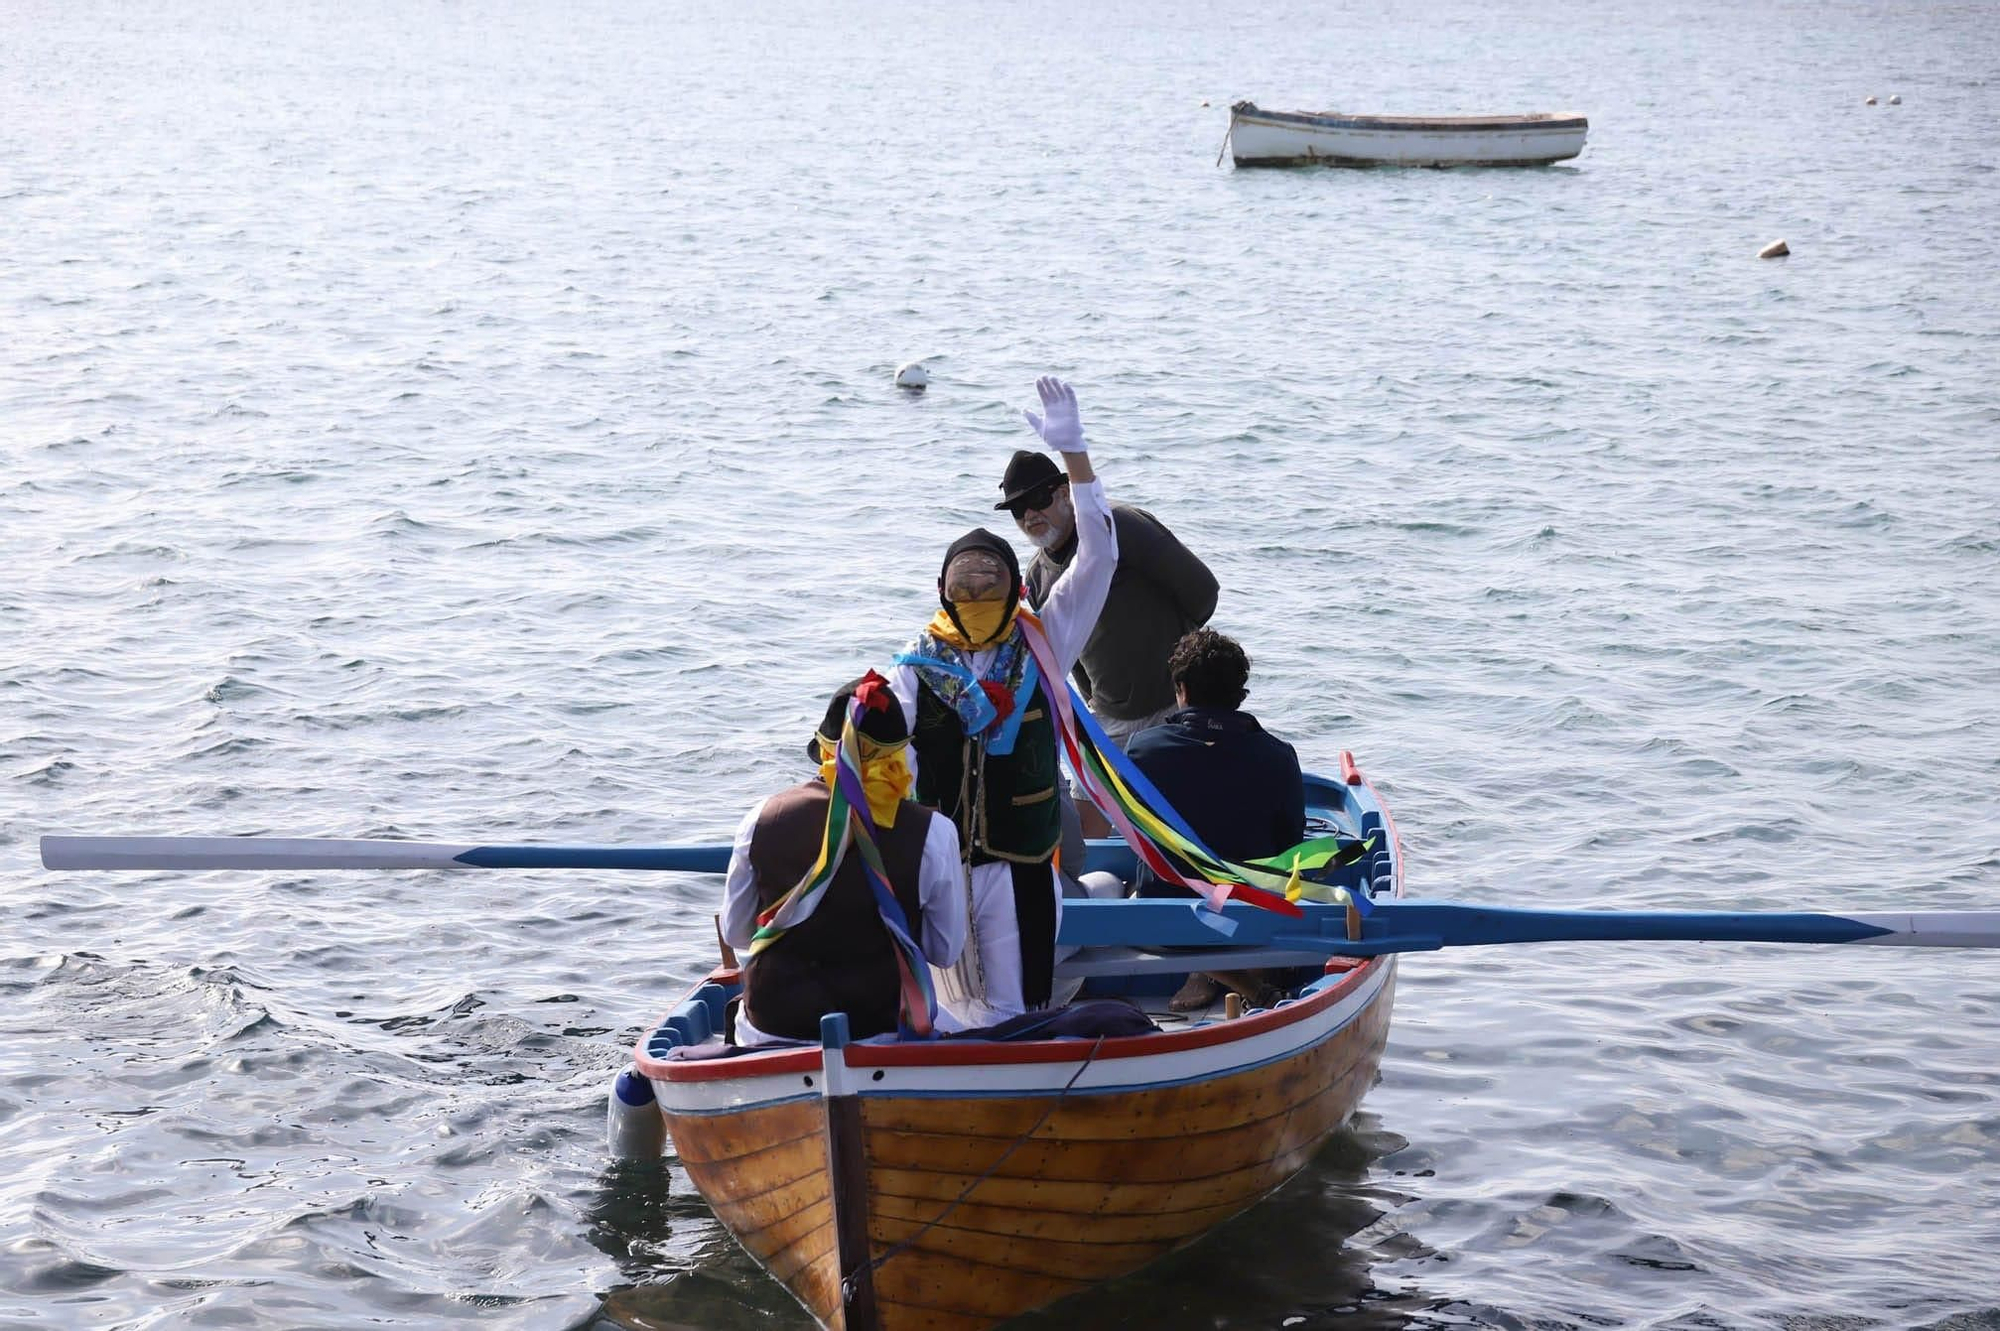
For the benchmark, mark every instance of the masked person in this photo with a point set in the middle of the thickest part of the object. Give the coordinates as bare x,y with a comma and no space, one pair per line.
837,954
984,732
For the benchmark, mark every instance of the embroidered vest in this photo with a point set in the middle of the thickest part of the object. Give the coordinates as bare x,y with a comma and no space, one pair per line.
1004,805
840,959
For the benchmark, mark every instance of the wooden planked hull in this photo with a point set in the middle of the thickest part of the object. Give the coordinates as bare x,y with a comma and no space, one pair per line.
989,1215
980,1207
764,1172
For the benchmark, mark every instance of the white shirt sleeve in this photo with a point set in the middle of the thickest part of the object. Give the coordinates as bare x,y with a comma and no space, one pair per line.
739,889
903,684
1070,611
941,890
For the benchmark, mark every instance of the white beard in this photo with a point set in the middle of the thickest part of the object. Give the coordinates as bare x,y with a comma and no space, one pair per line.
1046,539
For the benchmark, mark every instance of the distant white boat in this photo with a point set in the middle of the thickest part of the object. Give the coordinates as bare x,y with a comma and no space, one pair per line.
1301,138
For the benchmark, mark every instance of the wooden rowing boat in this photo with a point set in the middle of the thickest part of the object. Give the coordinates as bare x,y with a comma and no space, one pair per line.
954,1184
1330,138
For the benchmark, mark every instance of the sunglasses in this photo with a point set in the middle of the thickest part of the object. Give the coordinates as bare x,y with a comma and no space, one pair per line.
1034,499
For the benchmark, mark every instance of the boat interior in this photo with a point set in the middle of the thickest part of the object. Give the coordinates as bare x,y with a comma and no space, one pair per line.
1147,972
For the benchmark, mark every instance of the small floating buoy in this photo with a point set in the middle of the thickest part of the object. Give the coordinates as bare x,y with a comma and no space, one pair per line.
1777,249
1895,99
913,377
1869,102
1204,101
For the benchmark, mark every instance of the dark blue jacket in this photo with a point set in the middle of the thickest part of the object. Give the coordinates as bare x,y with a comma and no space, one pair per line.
1238,788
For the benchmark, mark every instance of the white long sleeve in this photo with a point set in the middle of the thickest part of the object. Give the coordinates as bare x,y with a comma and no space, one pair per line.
739,888
1070,610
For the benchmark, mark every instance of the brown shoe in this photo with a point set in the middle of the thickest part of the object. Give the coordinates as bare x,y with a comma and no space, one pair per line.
1199,992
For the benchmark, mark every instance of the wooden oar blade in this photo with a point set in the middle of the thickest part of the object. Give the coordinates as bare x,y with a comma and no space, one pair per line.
312,854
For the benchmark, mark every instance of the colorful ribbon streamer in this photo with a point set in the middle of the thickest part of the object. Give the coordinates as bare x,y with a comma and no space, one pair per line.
1159,836
849,826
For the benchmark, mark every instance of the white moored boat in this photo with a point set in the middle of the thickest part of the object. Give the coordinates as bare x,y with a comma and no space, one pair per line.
1299,138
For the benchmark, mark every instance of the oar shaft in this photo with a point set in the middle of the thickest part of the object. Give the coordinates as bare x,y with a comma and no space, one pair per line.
308,854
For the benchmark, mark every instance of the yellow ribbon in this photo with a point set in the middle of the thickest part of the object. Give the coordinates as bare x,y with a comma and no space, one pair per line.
885,775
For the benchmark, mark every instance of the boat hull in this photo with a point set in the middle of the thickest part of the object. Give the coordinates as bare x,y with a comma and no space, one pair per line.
955,1184
995,1179
1284,138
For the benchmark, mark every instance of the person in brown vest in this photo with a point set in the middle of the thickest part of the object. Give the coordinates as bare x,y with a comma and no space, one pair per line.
840,955
978,708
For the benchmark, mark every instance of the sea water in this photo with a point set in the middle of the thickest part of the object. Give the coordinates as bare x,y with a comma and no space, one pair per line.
475,422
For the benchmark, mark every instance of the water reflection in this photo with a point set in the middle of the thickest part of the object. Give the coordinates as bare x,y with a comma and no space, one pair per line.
685,1270
1289,1261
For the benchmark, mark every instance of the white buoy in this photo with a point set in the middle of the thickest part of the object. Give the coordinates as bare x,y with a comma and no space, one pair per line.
1868,101
1777,249
1895,99
633,1127
913,376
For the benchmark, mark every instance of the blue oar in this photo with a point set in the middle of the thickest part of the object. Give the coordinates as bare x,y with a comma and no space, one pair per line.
189,853
309,853
1425,926
1416,926
1390,926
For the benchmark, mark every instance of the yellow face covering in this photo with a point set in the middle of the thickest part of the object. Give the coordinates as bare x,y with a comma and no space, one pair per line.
885,775
986,622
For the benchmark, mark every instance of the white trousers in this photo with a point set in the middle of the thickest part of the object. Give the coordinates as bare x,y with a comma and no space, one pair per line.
984,986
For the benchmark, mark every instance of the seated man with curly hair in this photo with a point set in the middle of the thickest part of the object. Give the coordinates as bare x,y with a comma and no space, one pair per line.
1238,787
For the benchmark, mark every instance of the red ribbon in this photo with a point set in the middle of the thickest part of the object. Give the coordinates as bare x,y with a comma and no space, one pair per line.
1001,698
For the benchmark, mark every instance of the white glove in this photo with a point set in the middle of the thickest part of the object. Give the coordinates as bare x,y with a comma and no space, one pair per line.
1057,422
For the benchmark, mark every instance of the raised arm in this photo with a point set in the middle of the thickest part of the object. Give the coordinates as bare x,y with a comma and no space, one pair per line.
1070,610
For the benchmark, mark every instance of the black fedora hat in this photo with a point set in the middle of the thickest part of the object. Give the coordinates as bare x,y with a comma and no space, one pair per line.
1026,473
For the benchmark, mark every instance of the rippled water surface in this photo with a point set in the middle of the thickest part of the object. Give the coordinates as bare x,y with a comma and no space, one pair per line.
474,422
